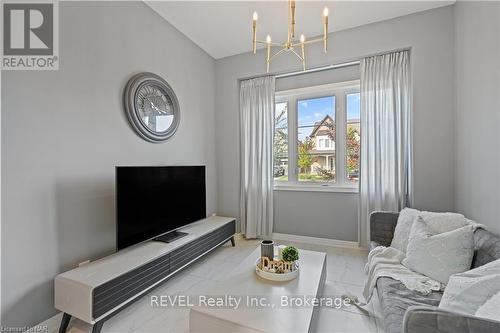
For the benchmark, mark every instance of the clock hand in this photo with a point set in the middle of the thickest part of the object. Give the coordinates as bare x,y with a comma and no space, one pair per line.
154,107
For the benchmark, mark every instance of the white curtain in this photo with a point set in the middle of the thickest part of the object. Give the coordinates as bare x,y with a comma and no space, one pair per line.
256,156
386,152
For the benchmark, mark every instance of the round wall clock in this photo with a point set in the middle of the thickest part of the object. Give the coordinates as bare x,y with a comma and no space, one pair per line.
152,107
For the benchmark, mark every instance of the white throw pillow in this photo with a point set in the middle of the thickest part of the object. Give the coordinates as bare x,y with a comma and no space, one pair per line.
439,222
439,256
475,292
403,227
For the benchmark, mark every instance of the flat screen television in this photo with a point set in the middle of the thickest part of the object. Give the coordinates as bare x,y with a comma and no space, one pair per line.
152,201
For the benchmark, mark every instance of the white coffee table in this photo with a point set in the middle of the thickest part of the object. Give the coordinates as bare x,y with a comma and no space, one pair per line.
243,282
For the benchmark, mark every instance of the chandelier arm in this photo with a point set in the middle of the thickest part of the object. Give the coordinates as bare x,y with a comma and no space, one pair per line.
276,54
315,40
293,43
298,56
272,44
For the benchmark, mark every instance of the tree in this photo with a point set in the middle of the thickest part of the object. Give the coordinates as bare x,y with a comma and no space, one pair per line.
305,160
353,150
280,137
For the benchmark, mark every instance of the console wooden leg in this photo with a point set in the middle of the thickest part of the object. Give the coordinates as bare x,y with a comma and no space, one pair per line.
64,322
97,327
232,241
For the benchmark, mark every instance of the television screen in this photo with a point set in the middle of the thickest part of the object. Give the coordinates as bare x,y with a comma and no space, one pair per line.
153,200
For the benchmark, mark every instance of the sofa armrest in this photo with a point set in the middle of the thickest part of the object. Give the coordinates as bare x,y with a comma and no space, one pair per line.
425,319
382,225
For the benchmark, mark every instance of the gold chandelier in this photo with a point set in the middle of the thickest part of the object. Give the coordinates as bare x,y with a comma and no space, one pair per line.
291,42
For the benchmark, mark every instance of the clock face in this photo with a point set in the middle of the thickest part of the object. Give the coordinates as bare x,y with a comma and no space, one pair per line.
152,107
155,108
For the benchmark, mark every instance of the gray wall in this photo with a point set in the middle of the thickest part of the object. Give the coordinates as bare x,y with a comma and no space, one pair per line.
430,34
343,74
317,214
64,131
477,136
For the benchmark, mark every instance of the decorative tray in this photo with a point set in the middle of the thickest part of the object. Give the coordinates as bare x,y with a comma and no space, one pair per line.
272,276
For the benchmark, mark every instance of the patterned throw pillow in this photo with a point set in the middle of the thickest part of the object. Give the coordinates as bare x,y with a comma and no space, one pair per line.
441,255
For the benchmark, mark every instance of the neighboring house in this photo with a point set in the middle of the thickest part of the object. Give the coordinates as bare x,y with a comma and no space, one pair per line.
324,146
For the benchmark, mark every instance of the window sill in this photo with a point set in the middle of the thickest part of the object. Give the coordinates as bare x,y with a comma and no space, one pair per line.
316,188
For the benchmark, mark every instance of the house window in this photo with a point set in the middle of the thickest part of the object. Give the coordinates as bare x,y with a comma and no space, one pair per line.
317,138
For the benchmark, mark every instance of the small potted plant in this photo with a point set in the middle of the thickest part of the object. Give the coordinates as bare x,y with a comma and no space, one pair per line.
290,254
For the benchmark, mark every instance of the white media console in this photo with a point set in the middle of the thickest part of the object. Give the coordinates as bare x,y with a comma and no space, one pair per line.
96,291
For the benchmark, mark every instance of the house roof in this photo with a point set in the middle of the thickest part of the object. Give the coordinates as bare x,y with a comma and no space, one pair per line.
319,124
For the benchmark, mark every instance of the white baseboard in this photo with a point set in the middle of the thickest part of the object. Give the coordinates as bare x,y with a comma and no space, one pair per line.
316,240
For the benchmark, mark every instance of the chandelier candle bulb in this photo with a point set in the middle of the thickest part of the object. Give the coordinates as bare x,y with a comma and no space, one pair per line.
268,41
254,25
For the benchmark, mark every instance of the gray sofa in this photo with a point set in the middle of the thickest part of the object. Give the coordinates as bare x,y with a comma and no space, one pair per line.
408,311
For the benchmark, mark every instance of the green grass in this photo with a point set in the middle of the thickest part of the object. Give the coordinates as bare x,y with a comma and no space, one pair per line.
302,177
310,177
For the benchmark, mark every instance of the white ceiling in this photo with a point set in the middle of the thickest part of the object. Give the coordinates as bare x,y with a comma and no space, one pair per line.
224,28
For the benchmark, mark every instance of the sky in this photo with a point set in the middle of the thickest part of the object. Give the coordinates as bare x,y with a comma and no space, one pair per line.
353,106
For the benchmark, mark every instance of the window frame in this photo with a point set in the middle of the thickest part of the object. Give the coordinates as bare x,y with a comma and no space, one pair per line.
292,97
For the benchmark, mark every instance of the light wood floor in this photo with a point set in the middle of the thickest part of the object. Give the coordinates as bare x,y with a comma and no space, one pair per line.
345,274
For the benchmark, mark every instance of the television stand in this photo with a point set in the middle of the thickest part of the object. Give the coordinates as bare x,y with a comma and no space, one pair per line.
98,290
170,236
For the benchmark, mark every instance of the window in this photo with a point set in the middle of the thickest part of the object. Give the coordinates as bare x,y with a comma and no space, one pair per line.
316,126
280,149
353,138
317,137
